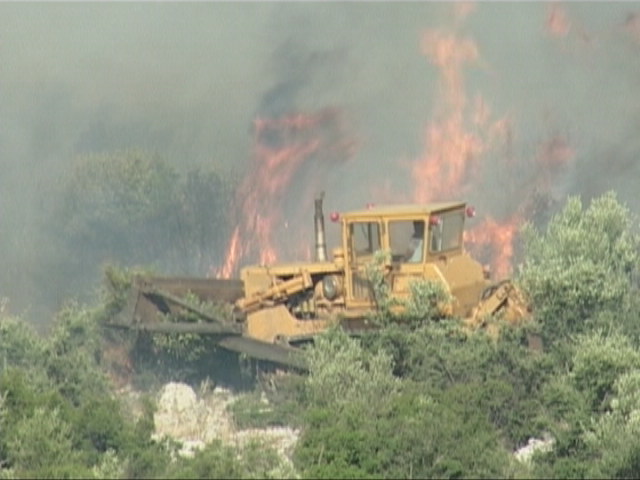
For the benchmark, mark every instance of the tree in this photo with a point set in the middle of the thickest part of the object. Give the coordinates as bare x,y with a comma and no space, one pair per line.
582,265
598,361
133,208
74,355
20,344
204,199
592,410
613,437
41,445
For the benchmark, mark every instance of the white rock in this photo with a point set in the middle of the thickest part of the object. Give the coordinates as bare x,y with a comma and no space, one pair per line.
195,421
534,445
190,447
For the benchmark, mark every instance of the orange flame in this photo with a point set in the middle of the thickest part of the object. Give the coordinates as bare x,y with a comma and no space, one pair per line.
450,148
495,240
560,26
233,254
558,23
285,149
290,152
459,136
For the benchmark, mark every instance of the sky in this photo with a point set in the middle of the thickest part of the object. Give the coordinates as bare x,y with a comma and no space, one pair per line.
189,80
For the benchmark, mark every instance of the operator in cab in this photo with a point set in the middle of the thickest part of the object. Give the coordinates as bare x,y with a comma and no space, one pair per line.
416,244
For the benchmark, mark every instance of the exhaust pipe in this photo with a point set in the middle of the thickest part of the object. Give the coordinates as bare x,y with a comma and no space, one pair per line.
321,244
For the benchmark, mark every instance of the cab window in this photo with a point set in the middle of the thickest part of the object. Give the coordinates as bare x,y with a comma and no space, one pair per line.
406,240
446,234
365,238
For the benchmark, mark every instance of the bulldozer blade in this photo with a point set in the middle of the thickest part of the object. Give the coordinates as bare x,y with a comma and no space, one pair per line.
281,354
181,327
151,297
229,340
207,289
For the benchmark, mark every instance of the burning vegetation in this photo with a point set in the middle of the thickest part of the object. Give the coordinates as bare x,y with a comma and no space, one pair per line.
290,152
464,144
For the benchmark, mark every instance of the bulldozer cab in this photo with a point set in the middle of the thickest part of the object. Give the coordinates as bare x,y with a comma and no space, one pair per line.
416,236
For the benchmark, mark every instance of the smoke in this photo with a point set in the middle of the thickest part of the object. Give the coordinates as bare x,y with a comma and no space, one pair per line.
188,80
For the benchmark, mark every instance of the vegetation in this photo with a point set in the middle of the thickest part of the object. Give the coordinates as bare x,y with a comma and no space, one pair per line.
419,399
128,208
582,267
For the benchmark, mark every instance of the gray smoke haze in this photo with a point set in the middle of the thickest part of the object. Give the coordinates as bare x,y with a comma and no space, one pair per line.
188,79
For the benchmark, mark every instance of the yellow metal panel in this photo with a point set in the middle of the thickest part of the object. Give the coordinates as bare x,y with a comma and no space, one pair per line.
400,210
270,323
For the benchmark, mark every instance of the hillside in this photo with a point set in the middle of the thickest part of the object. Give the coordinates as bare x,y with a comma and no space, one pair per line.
420,401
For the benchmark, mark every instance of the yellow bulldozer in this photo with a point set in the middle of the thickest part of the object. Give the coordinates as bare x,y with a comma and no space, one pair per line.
277,307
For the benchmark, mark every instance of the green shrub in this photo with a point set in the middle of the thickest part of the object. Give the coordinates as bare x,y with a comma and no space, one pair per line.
217,460
214,461
41,445
252,410
423,304
414,436
583,264
20,344
342,373
598,362
612,438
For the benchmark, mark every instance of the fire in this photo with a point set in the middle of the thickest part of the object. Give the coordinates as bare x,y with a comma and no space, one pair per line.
495,240
455,142
558,23
290,152
452,149
461,135
233,255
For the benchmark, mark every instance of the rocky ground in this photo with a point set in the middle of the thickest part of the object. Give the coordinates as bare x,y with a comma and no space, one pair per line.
195,418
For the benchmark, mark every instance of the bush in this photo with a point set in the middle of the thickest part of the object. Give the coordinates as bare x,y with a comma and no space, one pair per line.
413,436
342,373
583,264
74,354
214,461
253,410
101,426
59,419
217,460
613,437
22,394
361,421
427,300
20,344
598,362
41,445
503,379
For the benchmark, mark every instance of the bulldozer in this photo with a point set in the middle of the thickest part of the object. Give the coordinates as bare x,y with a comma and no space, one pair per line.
276,308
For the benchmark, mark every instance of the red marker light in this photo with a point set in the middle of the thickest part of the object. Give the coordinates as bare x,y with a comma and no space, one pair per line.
434,220
471,212
334,216
370,205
